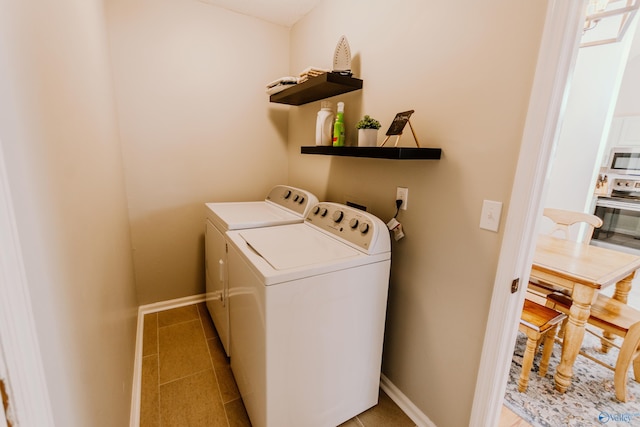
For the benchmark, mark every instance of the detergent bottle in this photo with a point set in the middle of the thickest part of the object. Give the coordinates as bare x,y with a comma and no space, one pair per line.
338,127
324,124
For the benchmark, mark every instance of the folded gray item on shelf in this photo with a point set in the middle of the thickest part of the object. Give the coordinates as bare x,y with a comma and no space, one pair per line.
278,88
289,80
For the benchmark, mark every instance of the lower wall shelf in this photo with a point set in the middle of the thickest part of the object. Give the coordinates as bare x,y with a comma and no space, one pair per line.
396,153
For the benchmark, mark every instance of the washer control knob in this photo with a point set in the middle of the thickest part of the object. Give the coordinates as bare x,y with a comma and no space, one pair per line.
287,194
628,184
364,228
323,212
337,216
296,197
353,223
301,200
316,210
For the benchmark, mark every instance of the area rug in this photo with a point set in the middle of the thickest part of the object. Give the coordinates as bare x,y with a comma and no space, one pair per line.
589,401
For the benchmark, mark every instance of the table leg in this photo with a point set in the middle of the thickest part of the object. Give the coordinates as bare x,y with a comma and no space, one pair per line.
574,332
623,287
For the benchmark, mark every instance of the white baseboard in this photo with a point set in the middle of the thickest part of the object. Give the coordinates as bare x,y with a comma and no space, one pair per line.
134,420
174,303
404,403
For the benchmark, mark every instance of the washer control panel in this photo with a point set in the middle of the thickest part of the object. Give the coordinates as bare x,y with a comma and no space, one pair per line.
294,199
352,225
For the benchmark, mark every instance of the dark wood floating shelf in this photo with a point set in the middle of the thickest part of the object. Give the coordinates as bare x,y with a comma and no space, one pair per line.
397,153
320,87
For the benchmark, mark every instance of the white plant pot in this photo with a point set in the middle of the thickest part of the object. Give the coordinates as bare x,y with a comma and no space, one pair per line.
367,137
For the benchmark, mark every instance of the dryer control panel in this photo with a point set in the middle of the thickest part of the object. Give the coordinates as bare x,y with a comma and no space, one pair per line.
294,199
358,228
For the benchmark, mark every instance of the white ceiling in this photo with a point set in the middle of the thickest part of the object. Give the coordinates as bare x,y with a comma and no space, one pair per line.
281,12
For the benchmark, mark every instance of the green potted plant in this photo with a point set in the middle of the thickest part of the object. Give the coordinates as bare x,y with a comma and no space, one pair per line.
368,131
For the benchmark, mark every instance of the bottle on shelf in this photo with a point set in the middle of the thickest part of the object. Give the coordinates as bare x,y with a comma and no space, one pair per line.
324,124
338,127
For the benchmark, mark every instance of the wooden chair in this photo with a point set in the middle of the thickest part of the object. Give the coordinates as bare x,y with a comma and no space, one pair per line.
616,318
563,220
536,322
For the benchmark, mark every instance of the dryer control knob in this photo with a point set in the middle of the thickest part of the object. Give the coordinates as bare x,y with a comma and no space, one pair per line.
364,228
353,223
301,200
287,194
337,216
323,212
295,198
316,210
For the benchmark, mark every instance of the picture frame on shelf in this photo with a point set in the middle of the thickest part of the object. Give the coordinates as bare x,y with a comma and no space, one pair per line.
397,126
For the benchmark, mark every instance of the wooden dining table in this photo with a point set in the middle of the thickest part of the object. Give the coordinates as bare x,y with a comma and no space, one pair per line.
582,270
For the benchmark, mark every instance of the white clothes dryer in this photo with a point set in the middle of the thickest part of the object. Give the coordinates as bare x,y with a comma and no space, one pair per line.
307,311
283,205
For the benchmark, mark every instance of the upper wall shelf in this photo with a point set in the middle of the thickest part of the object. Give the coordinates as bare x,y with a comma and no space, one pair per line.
396,153
320,87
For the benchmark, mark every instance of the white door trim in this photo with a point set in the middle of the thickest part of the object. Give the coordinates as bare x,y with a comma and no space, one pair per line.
29,400
556,62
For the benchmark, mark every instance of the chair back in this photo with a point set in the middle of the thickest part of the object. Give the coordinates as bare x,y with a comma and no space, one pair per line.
564,219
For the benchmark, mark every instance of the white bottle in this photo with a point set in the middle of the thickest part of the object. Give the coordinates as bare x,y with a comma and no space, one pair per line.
324,124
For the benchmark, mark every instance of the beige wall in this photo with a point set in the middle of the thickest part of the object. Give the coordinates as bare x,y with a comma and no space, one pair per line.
195,125
58,132
466,68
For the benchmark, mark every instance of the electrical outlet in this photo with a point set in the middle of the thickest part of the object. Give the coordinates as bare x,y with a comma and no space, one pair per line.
402,193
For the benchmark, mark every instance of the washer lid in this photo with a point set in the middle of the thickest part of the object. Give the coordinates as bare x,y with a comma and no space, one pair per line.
296,245
241,215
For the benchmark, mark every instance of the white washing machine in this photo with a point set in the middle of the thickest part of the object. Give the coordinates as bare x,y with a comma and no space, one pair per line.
283,205
307,310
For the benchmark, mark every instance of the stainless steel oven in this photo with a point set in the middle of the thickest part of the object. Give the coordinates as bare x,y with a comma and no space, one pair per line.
620,213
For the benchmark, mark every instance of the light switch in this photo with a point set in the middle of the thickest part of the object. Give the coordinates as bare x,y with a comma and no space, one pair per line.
490,217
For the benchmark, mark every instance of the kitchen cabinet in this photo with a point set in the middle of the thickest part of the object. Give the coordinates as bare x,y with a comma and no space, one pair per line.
624,131
630,131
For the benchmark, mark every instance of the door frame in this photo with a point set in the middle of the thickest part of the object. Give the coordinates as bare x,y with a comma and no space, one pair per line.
23,371
556,62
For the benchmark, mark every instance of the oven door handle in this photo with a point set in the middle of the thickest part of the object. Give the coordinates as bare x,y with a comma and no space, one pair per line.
617,204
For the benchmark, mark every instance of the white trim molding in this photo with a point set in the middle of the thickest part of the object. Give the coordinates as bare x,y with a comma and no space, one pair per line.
134,420
29,399
404,403
556,62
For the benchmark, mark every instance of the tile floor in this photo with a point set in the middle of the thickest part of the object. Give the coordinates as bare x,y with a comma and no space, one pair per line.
187,379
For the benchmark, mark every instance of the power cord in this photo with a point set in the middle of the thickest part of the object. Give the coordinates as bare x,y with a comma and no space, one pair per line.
398,204
394,225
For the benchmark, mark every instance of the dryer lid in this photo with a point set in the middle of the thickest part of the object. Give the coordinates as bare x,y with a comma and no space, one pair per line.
241,215
296,245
